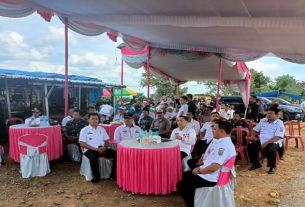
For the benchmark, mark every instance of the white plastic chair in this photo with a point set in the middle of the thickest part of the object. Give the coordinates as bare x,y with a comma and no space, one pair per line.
105,166
221,195
1,154
33,155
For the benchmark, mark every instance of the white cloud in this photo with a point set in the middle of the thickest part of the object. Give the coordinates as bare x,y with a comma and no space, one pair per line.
89,59
57,35
271,69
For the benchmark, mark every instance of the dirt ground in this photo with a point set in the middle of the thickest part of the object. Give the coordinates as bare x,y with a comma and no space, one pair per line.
65,187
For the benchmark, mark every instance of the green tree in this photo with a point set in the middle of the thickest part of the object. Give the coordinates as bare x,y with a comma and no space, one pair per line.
162,86
260,82
140,97
211,87
288,83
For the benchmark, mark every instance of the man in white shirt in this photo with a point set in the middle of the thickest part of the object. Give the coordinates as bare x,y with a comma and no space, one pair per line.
120,116
184,135
94,140
206,174
127,131
271,131
67,118
183,108
226,113
192,122
34,120
170,114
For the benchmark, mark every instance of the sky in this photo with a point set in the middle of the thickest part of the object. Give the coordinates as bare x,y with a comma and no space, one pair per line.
32,44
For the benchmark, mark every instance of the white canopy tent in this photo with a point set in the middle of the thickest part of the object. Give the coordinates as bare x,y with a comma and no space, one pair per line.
234,30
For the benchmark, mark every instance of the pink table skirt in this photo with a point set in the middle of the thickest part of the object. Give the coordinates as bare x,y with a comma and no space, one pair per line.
55,147
110,128
147,171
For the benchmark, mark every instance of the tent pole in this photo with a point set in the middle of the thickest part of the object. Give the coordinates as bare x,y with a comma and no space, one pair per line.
218,84
7,92
46,100
66,67
148,73
79,96
122,80
177,91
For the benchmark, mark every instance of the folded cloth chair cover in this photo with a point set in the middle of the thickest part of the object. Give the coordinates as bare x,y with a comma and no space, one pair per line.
221,195
35,161
73,152
105,166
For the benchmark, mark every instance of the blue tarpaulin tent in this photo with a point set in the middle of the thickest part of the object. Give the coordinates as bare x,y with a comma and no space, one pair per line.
279,93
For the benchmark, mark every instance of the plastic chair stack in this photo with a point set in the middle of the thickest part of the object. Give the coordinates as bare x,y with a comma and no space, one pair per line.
292,135
33,155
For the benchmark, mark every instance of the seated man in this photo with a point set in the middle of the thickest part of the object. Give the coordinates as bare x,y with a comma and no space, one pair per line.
186,136
91,109
94,140
145,121
192,122
206,174
34,120
71,135
170,113
237,122
161,124
106,112
120,116
271,130
206,136
226,113
67,118
127,131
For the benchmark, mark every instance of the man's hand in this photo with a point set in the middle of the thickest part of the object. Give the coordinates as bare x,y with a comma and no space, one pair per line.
264,145
178,137
196,171
101,150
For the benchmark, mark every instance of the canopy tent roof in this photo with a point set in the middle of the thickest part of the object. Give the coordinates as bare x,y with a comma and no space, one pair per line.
43,76
238,30
279,93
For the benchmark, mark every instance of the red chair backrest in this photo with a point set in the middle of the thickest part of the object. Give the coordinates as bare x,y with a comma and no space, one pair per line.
225,177
34,140
13,121
239,135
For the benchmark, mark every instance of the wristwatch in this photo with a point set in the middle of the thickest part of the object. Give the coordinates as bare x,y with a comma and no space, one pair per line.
198,170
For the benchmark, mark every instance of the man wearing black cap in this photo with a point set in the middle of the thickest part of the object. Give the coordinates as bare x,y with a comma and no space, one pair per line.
127,131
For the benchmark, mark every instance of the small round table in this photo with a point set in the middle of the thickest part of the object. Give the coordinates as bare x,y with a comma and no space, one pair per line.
55,145
147,169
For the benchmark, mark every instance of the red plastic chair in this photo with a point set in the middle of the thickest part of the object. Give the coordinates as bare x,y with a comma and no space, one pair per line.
13,121
291,134
250,125
239,147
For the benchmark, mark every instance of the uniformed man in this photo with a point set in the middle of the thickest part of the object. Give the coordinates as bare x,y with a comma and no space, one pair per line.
185,135
271,130
206,174
94,140
127,131
71,135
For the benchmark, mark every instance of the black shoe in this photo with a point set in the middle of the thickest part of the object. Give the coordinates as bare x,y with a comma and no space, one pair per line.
95,180
272,170
254,167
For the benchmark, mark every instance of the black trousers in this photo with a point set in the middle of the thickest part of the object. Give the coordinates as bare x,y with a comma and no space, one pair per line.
187,186
93,157
270,152
183,155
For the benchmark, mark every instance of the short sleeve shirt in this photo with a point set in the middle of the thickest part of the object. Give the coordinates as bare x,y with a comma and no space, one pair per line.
183,110
74,127
219,151
162,125
207,127
124,132
195,125
94,137
188,138
267,130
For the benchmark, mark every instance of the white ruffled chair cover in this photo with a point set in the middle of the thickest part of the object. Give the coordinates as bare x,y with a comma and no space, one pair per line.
105,166
33,163
220,195
73,152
